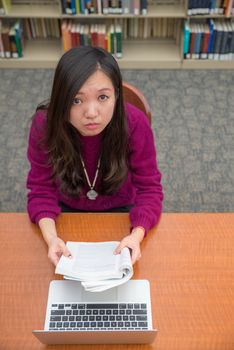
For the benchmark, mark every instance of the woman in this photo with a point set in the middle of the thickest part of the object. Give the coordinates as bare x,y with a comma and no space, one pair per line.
90,152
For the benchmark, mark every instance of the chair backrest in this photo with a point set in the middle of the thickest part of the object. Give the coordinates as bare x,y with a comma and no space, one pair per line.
135,97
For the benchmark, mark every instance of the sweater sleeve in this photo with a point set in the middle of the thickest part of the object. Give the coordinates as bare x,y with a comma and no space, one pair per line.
42,195
146,176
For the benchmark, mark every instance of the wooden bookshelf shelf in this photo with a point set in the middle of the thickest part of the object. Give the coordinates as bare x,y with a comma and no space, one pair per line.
45,54
207,64
157,54
37,54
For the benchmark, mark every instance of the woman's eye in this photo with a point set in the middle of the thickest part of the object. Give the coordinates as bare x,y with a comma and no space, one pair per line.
103,97
76,101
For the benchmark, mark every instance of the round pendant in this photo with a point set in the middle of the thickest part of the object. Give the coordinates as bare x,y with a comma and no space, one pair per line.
92,195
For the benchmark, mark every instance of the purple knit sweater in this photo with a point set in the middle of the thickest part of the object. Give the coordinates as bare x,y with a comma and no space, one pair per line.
142,187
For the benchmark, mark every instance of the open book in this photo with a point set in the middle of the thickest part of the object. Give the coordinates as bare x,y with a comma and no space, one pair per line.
95,265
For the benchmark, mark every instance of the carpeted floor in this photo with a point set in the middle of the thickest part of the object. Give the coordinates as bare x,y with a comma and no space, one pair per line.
193,122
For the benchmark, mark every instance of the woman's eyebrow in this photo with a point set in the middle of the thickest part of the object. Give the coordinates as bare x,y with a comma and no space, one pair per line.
99,90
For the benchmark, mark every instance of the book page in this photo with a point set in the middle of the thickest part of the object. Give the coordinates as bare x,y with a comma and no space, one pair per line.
91,261
97,259
96,265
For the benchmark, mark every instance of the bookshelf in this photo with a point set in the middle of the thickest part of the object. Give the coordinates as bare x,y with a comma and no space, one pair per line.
150,53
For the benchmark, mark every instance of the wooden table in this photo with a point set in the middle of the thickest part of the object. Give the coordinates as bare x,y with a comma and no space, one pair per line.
188,258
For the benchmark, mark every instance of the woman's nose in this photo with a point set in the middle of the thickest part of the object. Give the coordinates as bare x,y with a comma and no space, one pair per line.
91,110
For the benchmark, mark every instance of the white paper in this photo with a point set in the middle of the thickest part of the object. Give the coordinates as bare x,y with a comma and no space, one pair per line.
96,265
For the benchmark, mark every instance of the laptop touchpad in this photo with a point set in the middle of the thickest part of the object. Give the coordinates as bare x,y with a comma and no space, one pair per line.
107,295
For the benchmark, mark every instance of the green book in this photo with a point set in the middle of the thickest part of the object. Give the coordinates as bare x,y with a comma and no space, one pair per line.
112,39
118,34
18,38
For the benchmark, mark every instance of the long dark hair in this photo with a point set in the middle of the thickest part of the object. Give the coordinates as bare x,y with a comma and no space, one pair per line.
62,139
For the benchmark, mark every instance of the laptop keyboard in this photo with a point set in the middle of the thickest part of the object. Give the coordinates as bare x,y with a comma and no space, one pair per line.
87,316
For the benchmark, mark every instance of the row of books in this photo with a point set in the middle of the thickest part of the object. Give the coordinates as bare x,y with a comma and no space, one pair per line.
150,28
106,36
11,40
41,28
76,7
212,40
206,7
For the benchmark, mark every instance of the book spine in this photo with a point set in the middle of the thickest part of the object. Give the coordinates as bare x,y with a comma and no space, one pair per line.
218,42
13,49
99,7
1,43
205,42
112,39
232,42
77,2
63,6
223,44
88,7
18,38
73,7
126,6
144,7
136,7
192,40
105,7
211,38
118,33
82,7
186,39
6,43
212,6
197,43
189,11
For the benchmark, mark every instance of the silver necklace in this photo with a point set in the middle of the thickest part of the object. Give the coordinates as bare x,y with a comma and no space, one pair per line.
91,194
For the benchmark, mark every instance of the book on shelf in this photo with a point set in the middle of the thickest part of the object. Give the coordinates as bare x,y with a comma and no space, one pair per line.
41,28
205,41
212,40
112,7
187,33
11,39
205,7
95,265
109,37
228,7
211,29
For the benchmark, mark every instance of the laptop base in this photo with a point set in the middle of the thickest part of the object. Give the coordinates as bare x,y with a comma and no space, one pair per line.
96,337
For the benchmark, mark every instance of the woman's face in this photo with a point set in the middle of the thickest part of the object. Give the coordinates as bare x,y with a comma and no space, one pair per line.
93,106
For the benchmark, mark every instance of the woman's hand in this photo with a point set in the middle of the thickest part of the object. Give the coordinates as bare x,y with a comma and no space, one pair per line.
132,241
57,248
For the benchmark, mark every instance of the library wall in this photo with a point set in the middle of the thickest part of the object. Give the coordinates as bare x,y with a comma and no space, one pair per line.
141,34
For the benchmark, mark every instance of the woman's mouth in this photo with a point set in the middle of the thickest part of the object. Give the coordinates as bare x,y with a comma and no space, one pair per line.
91,126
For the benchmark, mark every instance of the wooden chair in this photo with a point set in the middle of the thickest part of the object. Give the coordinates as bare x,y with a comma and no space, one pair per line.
135,97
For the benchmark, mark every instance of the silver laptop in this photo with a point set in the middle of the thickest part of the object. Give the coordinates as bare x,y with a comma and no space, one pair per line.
121,315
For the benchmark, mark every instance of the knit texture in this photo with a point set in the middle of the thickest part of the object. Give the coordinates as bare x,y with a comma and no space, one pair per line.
141,188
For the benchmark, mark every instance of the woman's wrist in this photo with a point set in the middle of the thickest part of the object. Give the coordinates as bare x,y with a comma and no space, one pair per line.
138,232
48,229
